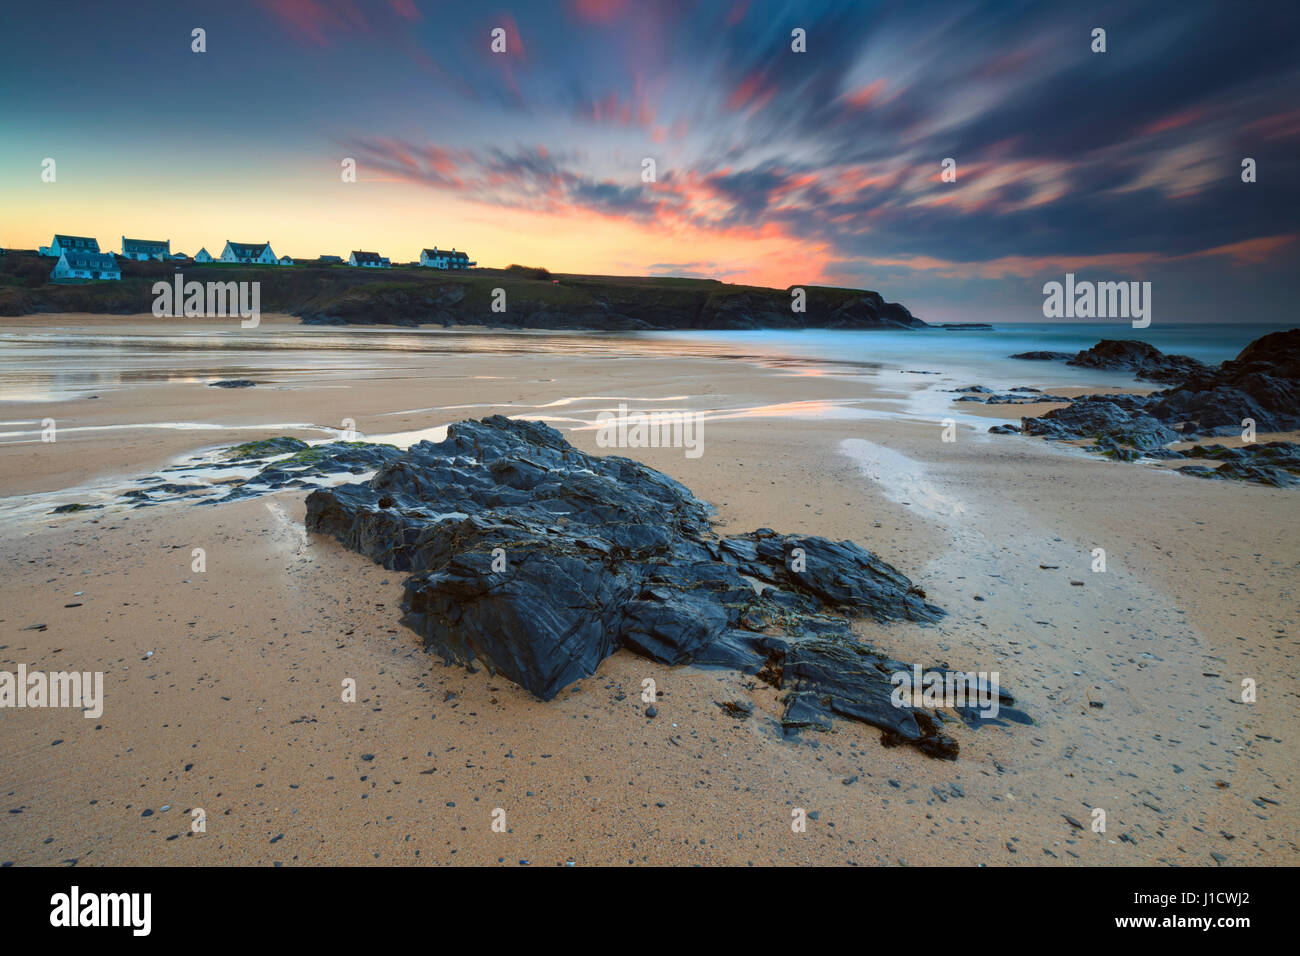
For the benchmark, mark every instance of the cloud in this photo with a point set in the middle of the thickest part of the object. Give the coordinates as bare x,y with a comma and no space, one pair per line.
1063,155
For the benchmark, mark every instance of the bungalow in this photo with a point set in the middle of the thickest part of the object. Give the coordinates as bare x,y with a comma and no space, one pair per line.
367,260
144,249
255,252
435,259
331,260
178,255
203,255
85,265
286,261
63,244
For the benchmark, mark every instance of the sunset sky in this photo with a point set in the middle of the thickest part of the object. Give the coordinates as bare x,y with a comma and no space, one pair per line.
773,167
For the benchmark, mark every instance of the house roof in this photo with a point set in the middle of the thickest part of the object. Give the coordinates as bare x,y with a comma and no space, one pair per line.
366,256
90,260
145,245
74,240
203,252
435,251
331,258
247,250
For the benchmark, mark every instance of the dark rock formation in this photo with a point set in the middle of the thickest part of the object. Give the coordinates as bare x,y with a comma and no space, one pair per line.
232,383
1262,385
1102,418
265,448
540,561
1238,471
1143,360
1275,463
1017,397
282,462
1044,356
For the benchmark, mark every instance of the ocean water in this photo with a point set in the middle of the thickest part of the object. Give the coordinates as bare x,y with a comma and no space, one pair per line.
981,355
879,368
56,363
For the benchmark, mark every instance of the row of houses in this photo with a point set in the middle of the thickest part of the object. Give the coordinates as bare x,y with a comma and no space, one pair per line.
429,259
80,256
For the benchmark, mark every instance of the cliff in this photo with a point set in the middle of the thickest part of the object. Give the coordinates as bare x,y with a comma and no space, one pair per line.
534,299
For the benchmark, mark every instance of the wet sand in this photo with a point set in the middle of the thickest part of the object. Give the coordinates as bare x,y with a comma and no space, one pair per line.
222,687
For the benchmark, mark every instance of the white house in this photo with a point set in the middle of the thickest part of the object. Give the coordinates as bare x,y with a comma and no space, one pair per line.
203,255
331,260
367,260
286,261
255,252
143,249
436,259
62,244
86,265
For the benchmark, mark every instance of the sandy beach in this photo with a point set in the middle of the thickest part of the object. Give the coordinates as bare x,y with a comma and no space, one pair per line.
222,687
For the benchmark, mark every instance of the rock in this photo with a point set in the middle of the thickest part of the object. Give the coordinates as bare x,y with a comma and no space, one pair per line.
1100,418
1112,449
1145,361
1239,471
1044,356
73,508
1015,398
232,383
266,448
540,561
1279,454
1004,430
1262,383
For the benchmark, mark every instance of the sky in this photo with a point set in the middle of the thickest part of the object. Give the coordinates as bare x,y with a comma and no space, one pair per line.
771,166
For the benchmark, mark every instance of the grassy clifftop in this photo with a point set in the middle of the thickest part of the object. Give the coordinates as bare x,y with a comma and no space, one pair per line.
533,298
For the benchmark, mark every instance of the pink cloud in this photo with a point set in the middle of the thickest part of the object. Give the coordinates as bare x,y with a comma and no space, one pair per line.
597,11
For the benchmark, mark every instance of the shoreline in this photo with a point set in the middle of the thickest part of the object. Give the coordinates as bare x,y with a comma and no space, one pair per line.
247,657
